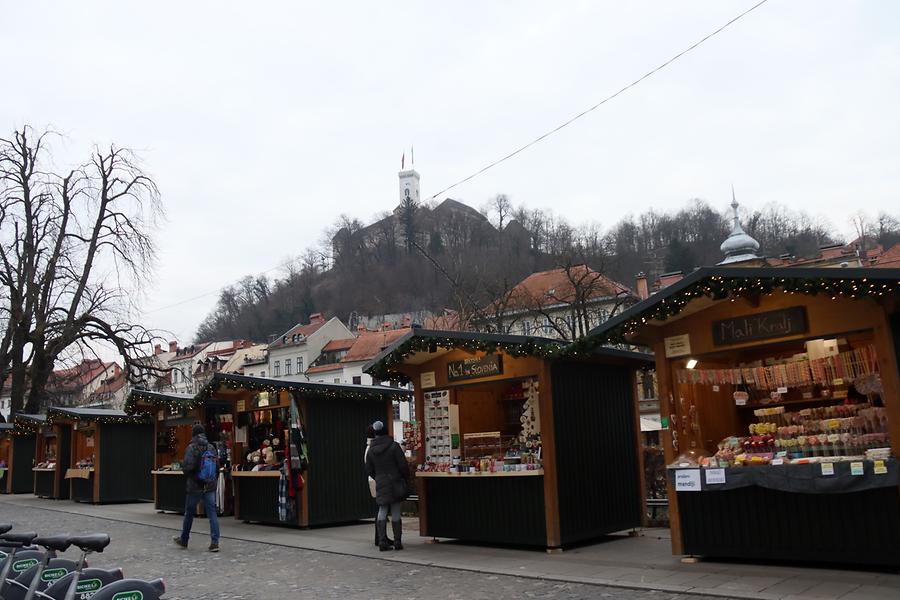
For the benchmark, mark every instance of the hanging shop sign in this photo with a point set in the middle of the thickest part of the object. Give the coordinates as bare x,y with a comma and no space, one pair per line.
473,368
761,326
678,345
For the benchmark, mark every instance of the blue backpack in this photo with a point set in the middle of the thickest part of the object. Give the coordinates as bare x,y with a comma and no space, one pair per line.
209,467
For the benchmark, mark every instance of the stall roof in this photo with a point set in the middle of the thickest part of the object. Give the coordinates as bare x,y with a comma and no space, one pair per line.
307,388
422,345
97,415
6,426
29,418
170,399
709,285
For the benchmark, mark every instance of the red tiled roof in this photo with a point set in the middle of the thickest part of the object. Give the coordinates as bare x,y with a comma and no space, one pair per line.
78,376
556,287
325,368
304,330
890,258
449,321
369,344
335,345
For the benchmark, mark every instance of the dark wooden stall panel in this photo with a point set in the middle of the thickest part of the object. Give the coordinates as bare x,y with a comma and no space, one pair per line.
170,492
82,489
763,524
259,499
338,489
43,483
596,457
126,459
497,510
22,477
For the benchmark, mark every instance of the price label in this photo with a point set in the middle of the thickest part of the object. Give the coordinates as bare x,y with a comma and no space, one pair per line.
687,480
827,468
782,390
715,476
777,461
856,468
880,467
838,381
715,388
781,454
740,401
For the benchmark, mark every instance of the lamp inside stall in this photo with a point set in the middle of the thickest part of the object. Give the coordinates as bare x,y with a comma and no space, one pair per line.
691,363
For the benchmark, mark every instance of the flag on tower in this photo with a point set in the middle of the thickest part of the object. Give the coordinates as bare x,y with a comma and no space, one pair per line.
412,156
403,161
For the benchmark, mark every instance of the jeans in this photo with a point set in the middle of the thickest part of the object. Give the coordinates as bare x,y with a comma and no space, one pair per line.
209,505
395,512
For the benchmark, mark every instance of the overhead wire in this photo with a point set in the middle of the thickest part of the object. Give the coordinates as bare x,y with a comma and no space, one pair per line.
599,104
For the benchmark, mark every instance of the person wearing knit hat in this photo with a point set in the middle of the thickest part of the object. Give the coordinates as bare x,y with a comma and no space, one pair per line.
198,491
386,464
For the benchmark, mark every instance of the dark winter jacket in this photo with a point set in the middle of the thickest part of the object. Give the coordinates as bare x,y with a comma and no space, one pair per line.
386,464
191,465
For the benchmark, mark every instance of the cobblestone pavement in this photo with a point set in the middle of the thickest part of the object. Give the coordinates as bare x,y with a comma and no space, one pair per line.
251,570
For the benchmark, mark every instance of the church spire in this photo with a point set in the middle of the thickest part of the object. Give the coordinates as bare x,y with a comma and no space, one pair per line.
738,246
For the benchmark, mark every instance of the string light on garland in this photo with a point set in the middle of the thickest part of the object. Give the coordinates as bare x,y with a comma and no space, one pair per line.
304,389
75,416
145,402
718,287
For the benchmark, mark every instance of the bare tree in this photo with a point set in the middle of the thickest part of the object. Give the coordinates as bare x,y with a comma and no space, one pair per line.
74,252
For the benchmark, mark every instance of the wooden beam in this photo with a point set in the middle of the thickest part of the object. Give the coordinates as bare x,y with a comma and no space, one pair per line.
98,447
548,455
665,389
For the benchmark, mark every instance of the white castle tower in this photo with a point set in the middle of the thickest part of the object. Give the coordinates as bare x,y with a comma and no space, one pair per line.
409,185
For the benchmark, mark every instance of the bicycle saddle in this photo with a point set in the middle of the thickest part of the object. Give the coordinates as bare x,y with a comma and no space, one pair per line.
4,527
19,538
60,543
95,542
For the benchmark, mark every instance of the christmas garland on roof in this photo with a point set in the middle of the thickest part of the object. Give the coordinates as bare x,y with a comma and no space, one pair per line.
27,425
311,391
155,400
53,413
717,287
382,370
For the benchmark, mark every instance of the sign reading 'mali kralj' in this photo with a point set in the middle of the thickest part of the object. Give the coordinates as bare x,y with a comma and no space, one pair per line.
776,323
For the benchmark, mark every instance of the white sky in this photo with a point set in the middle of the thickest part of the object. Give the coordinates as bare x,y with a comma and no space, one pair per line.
262,122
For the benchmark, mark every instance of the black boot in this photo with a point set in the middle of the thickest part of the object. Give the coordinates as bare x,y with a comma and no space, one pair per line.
381,528
389,540
398,533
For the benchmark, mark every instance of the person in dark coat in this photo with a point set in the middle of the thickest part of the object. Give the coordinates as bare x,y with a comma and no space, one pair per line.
386,464
198,491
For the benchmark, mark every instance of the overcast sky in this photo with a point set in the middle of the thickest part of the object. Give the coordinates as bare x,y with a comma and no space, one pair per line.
262,122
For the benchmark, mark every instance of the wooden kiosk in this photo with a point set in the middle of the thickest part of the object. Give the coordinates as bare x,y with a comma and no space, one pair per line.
297,447
173,416
520,443
19,478
781,394
53,446
109,457
6,435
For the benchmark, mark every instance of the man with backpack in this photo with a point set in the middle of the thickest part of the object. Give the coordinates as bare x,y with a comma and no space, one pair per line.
201,474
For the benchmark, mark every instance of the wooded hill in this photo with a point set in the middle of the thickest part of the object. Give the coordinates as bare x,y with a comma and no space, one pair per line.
449,255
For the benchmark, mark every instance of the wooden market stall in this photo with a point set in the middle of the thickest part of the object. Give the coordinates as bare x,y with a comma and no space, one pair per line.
781,410
53,446
19,478
521,442
110,454
6,434
297,447
173,416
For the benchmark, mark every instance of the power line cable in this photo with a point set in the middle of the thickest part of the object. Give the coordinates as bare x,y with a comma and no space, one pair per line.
531,143
601,103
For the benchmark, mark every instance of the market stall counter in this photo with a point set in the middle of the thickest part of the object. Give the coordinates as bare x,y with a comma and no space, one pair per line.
52,450
517,442
781,411
110,454
173,415
298,447
20,454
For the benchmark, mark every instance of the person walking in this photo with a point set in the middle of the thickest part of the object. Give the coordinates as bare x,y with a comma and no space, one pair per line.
200,486
386,464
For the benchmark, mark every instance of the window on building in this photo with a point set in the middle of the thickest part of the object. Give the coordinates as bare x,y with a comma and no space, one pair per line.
337,379
396,411
276,371
357,379
299,365
262,373
174,376
287,366
526,327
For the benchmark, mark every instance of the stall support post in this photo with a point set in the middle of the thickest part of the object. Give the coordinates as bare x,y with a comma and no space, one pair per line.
548,455
420,459
639,444
304,493
665,390
886,350
98,459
